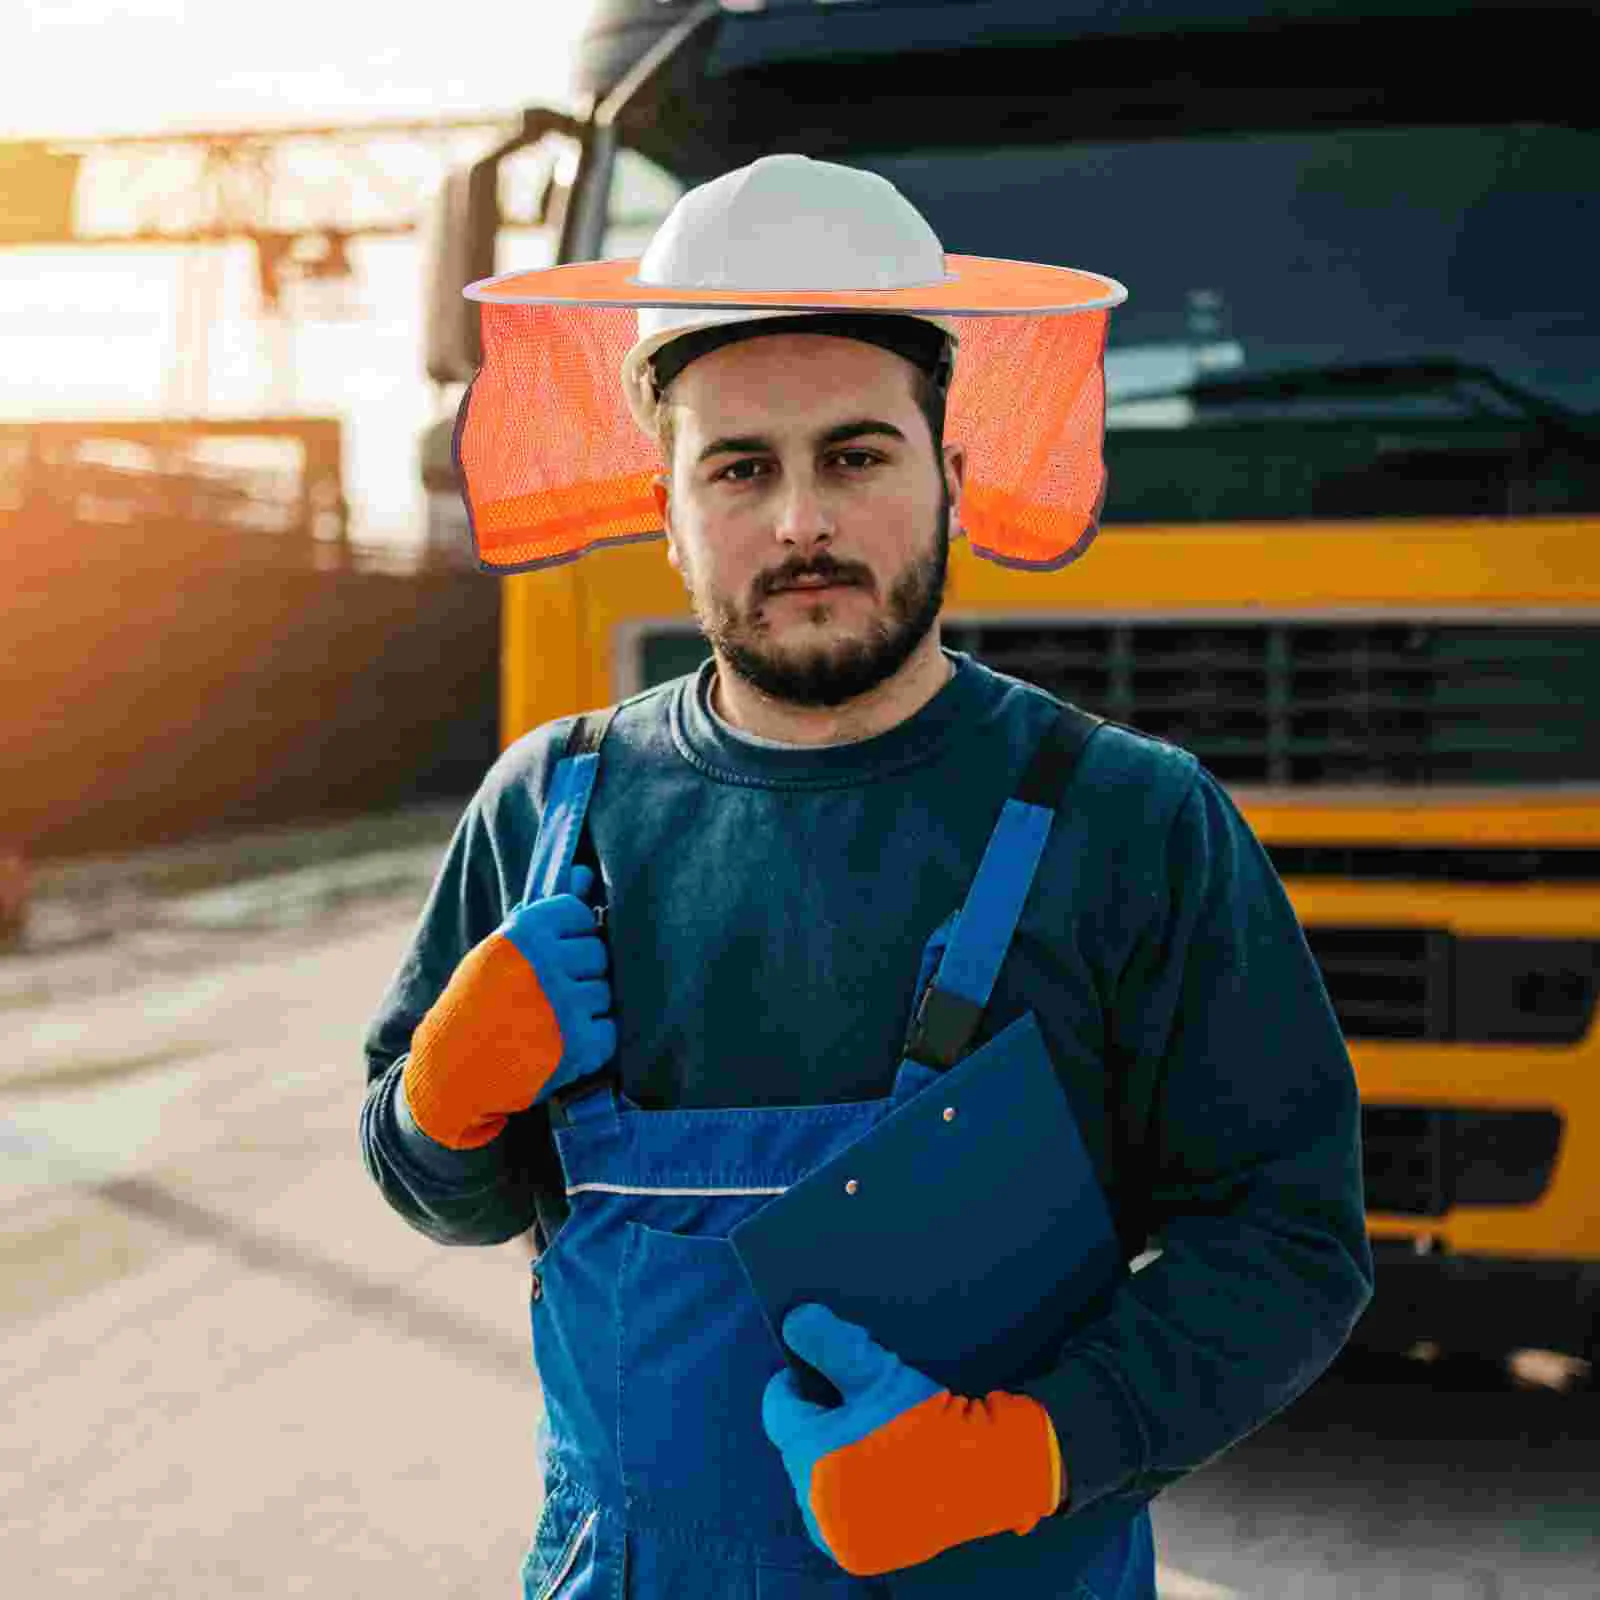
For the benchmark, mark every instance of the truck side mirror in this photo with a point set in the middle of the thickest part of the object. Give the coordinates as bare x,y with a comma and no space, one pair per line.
460,249
460,237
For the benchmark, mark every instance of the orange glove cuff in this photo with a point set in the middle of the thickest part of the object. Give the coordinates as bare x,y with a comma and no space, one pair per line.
486,1048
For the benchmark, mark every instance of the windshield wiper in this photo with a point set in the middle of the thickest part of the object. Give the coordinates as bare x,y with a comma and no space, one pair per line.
1410,377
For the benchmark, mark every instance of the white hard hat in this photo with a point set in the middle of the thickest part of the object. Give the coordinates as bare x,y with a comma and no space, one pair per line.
785,224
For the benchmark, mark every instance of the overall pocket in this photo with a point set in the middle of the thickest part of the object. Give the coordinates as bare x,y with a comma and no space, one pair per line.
694,1357
570,1290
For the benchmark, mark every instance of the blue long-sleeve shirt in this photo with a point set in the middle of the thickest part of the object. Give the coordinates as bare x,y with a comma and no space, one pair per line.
768,911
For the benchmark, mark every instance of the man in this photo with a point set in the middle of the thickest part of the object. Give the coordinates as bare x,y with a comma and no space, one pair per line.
783,841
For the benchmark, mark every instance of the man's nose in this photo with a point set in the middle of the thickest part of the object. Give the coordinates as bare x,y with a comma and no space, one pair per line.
803,515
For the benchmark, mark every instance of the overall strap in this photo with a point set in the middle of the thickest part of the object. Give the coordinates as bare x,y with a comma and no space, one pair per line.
952,1005
563,833
567,806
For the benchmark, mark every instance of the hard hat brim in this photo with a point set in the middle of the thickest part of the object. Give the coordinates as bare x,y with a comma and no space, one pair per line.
976,286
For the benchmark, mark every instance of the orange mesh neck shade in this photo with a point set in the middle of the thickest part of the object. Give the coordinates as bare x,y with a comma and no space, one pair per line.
552,465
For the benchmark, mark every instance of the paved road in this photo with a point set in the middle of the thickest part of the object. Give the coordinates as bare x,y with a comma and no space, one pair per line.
230,1370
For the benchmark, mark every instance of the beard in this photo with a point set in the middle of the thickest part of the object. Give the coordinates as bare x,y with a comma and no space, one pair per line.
830,674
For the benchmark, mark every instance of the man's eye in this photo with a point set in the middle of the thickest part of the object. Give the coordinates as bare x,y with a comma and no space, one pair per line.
857,459
735,471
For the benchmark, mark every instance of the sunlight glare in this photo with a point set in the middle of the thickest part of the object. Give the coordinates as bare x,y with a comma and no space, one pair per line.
149,331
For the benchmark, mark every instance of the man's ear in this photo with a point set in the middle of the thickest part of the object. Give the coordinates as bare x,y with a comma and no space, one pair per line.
661,492
955,476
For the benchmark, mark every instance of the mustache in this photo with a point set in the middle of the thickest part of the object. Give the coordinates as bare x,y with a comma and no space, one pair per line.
823,567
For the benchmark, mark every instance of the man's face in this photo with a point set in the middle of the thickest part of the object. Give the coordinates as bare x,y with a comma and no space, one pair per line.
807,512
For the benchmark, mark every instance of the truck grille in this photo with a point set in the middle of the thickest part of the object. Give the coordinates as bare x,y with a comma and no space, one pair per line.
1423,1160
1438,863
1386,983
1424,983
1402,703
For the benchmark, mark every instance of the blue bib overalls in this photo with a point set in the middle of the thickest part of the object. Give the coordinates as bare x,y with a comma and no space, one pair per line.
651,1348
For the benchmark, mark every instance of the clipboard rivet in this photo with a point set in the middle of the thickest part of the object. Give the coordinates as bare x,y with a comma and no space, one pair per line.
949,1113
850,1185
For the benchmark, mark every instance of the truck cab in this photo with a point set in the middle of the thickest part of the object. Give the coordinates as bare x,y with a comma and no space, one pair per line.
1348,554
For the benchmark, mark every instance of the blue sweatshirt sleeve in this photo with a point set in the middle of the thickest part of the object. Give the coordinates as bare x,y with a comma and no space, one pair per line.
492,1193
1253,1181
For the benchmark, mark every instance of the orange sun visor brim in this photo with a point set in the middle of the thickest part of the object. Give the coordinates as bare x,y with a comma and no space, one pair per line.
973,286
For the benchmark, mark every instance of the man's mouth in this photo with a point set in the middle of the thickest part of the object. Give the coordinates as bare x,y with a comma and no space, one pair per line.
811,582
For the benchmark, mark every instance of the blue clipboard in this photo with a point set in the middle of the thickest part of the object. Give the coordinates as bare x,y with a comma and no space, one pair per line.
966,1232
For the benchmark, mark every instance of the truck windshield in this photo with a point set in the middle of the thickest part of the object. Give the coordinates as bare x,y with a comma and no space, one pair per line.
1262,252
1346,323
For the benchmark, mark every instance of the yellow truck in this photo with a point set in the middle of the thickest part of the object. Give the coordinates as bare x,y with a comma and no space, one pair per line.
1351,549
